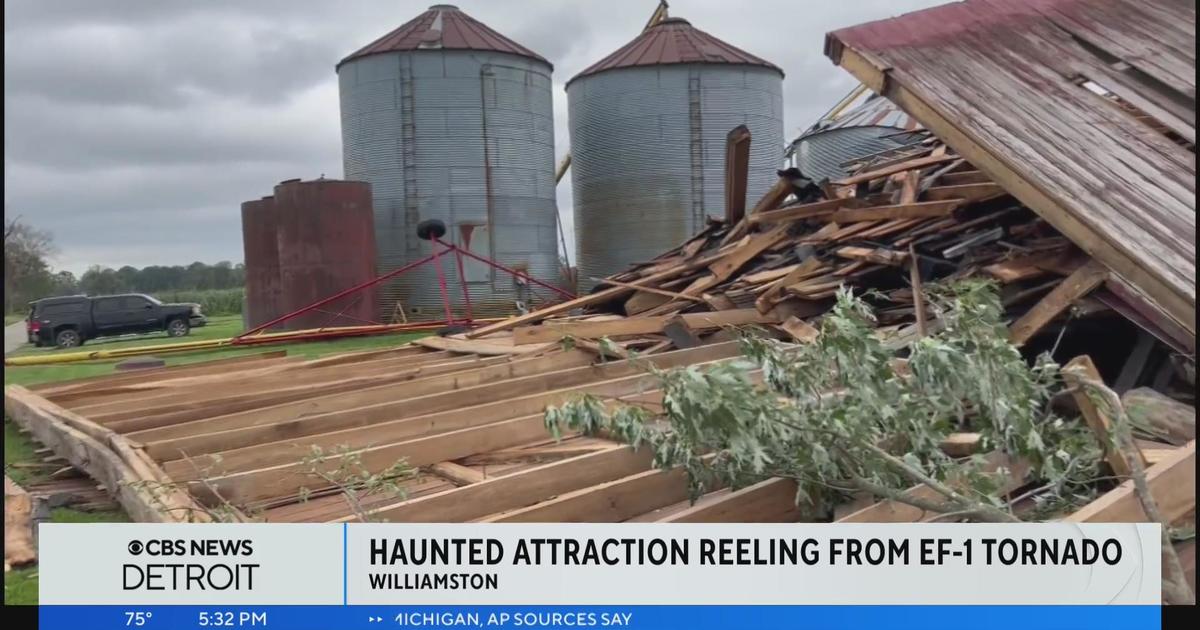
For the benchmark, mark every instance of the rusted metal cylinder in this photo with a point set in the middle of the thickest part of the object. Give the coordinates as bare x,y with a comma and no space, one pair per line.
261,256
326,244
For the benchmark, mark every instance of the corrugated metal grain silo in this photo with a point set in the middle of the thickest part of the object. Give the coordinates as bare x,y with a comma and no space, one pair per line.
261,256
450,120
648,129
875,125
326,242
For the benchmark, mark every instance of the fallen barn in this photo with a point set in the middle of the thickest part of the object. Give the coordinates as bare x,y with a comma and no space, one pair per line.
1101,265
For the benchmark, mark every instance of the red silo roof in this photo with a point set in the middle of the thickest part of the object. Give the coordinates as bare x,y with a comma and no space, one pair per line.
673,41
444,27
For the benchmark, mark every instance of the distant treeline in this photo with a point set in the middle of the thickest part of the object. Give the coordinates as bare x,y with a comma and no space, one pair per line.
28,276
156,279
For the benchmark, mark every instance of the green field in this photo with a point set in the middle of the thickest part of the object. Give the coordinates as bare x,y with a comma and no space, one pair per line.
20,585
221,327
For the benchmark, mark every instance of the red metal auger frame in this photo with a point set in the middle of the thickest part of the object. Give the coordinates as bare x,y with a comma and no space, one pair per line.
254,335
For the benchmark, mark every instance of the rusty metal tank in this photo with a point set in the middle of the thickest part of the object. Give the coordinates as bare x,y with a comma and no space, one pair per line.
326,244
648,129
450,120
261,256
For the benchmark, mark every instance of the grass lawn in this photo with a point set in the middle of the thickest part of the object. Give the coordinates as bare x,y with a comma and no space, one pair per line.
20,585
12,319
219,327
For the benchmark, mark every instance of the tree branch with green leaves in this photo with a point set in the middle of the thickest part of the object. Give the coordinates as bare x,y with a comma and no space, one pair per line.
841,415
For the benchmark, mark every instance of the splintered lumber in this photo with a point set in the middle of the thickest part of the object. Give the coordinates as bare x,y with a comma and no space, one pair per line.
918,292
1162,417
553,331
1077,285
475,346
670,294
737,173
923,209
797,212
966,192
517,490
895,168
19,549
770,501
1172,481
800,330
146,493
734,260
875,255
1075,372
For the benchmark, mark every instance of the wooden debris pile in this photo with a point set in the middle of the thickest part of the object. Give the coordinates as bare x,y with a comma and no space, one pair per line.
903,219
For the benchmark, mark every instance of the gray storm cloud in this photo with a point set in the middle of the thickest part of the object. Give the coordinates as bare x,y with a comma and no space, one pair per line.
133,129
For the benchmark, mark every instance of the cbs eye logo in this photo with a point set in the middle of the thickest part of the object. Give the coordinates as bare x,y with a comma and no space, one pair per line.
136,547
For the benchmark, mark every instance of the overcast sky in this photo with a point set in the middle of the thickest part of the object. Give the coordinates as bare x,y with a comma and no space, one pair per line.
134,128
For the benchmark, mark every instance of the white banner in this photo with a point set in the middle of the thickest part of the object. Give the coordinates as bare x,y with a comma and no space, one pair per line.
596,564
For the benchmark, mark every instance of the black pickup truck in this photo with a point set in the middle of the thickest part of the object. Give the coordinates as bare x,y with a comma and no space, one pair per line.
69,321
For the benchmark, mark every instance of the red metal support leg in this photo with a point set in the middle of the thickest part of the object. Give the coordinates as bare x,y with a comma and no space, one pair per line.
441,276
566,294
462,282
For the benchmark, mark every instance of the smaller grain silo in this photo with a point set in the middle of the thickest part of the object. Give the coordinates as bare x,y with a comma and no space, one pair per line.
261,256
648,126
326,244
876,125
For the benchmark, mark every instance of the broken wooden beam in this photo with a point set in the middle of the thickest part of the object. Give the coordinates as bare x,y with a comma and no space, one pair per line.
922,209
1077,285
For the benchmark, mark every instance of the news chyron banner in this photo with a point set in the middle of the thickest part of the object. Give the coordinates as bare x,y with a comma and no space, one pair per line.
695,576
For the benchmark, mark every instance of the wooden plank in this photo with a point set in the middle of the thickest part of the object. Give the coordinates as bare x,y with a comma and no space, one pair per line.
598,297
1114,251
263,446
518,489
1074,372
798,212
553,331
918,291
19,548
146,493
49,390
879,255
457,473
627,285
770,501
1172,482
800,330
1077,285
609,502
920,162
737,172
476,346
923,209
734,260
287,480
500,368
970,193
964,178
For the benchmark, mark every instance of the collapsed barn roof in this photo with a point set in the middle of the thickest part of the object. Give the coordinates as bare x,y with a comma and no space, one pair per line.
1084,111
